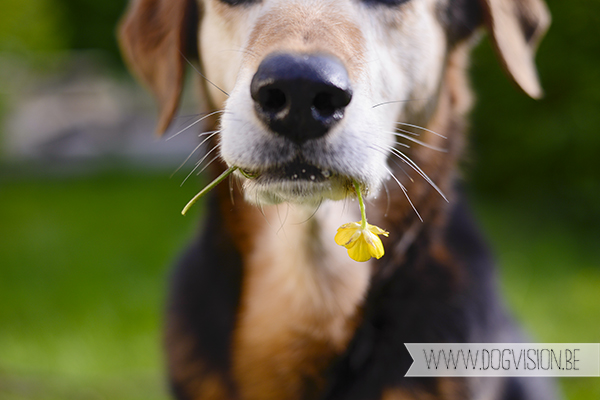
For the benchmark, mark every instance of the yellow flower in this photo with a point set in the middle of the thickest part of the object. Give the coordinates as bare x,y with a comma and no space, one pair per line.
361,238
362,242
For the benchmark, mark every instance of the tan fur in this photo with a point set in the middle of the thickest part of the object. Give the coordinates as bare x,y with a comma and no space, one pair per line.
301,295
319,29
299,303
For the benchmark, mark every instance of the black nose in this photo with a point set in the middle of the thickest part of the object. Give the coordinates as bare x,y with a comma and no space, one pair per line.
301,96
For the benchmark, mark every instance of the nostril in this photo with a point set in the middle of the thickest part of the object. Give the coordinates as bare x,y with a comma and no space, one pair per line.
323,103
327,103
272,100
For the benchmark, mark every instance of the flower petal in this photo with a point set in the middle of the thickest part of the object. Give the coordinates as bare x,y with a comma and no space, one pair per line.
377,230
351,225
347,233
374,244
360,251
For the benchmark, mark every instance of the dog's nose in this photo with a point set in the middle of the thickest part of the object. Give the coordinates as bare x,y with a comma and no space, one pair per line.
301,96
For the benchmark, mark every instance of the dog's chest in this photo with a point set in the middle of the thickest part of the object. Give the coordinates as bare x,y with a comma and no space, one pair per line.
300,296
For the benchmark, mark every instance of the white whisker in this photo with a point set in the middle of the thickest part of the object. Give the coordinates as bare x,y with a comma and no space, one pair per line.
412,139
413,165
405,194
382,151
418,170
262,210
243,51
212,160
384,103
420,127
399,143
211,133
387,194
194,123
202,75
231,189
199,163
313,213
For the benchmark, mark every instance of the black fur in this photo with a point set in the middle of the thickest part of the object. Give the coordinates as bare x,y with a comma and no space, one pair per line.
424,300
460,18
205,295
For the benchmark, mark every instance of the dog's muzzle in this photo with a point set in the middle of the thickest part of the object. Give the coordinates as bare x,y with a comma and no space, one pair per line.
299,98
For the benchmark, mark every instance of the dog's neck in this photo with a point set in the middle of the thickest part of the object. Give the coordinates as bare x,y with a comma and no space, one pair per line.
301,294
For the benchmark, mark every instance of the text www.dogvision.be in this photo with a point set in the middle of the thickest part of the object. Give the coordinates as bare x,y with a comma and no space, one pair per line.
505,359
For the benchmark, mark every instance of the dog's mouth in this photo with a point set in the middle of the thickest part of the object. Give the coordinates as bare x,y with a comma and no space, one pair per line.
296,170
297,181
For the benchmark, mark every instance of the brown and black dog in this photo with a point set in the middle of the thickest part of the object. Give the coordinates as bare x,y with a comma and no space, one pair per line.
314,95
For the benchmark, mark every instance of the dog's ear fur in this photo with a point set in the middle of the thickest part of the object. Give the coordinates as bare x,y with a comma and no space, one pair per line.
155,35
516,28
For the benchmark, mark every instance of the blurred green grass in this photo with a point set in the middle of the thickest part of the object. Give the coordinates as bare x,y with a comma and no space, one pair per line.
85,261
550,274
82,283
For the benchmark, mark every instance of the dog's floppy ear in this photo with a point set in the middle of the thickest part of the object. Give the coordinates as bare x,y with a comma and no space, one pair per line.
154,36
516,28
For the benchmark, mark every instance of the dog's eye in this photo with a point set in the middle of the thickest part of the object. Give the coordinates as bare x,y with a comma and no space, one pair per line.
389,3
239,2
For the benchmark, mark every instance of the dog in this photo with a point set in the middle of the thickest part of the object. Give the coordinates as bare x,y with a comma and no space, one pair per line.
311,96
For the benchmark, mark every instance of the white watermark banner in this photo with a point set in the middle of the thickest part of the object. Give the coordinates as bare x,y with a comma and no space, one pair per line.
504,359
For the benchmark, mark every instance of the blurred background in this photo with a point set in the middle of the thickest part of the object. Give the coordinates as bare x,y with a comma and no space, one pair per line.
90,199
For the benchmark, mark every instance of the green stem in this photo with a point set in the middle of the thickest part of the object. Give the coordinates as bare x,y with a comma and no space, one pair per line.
363,214
208,188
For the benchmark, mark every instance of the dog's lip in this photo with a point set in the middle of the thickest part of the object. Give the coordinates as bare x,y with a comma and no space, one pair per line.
297,182
296,170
